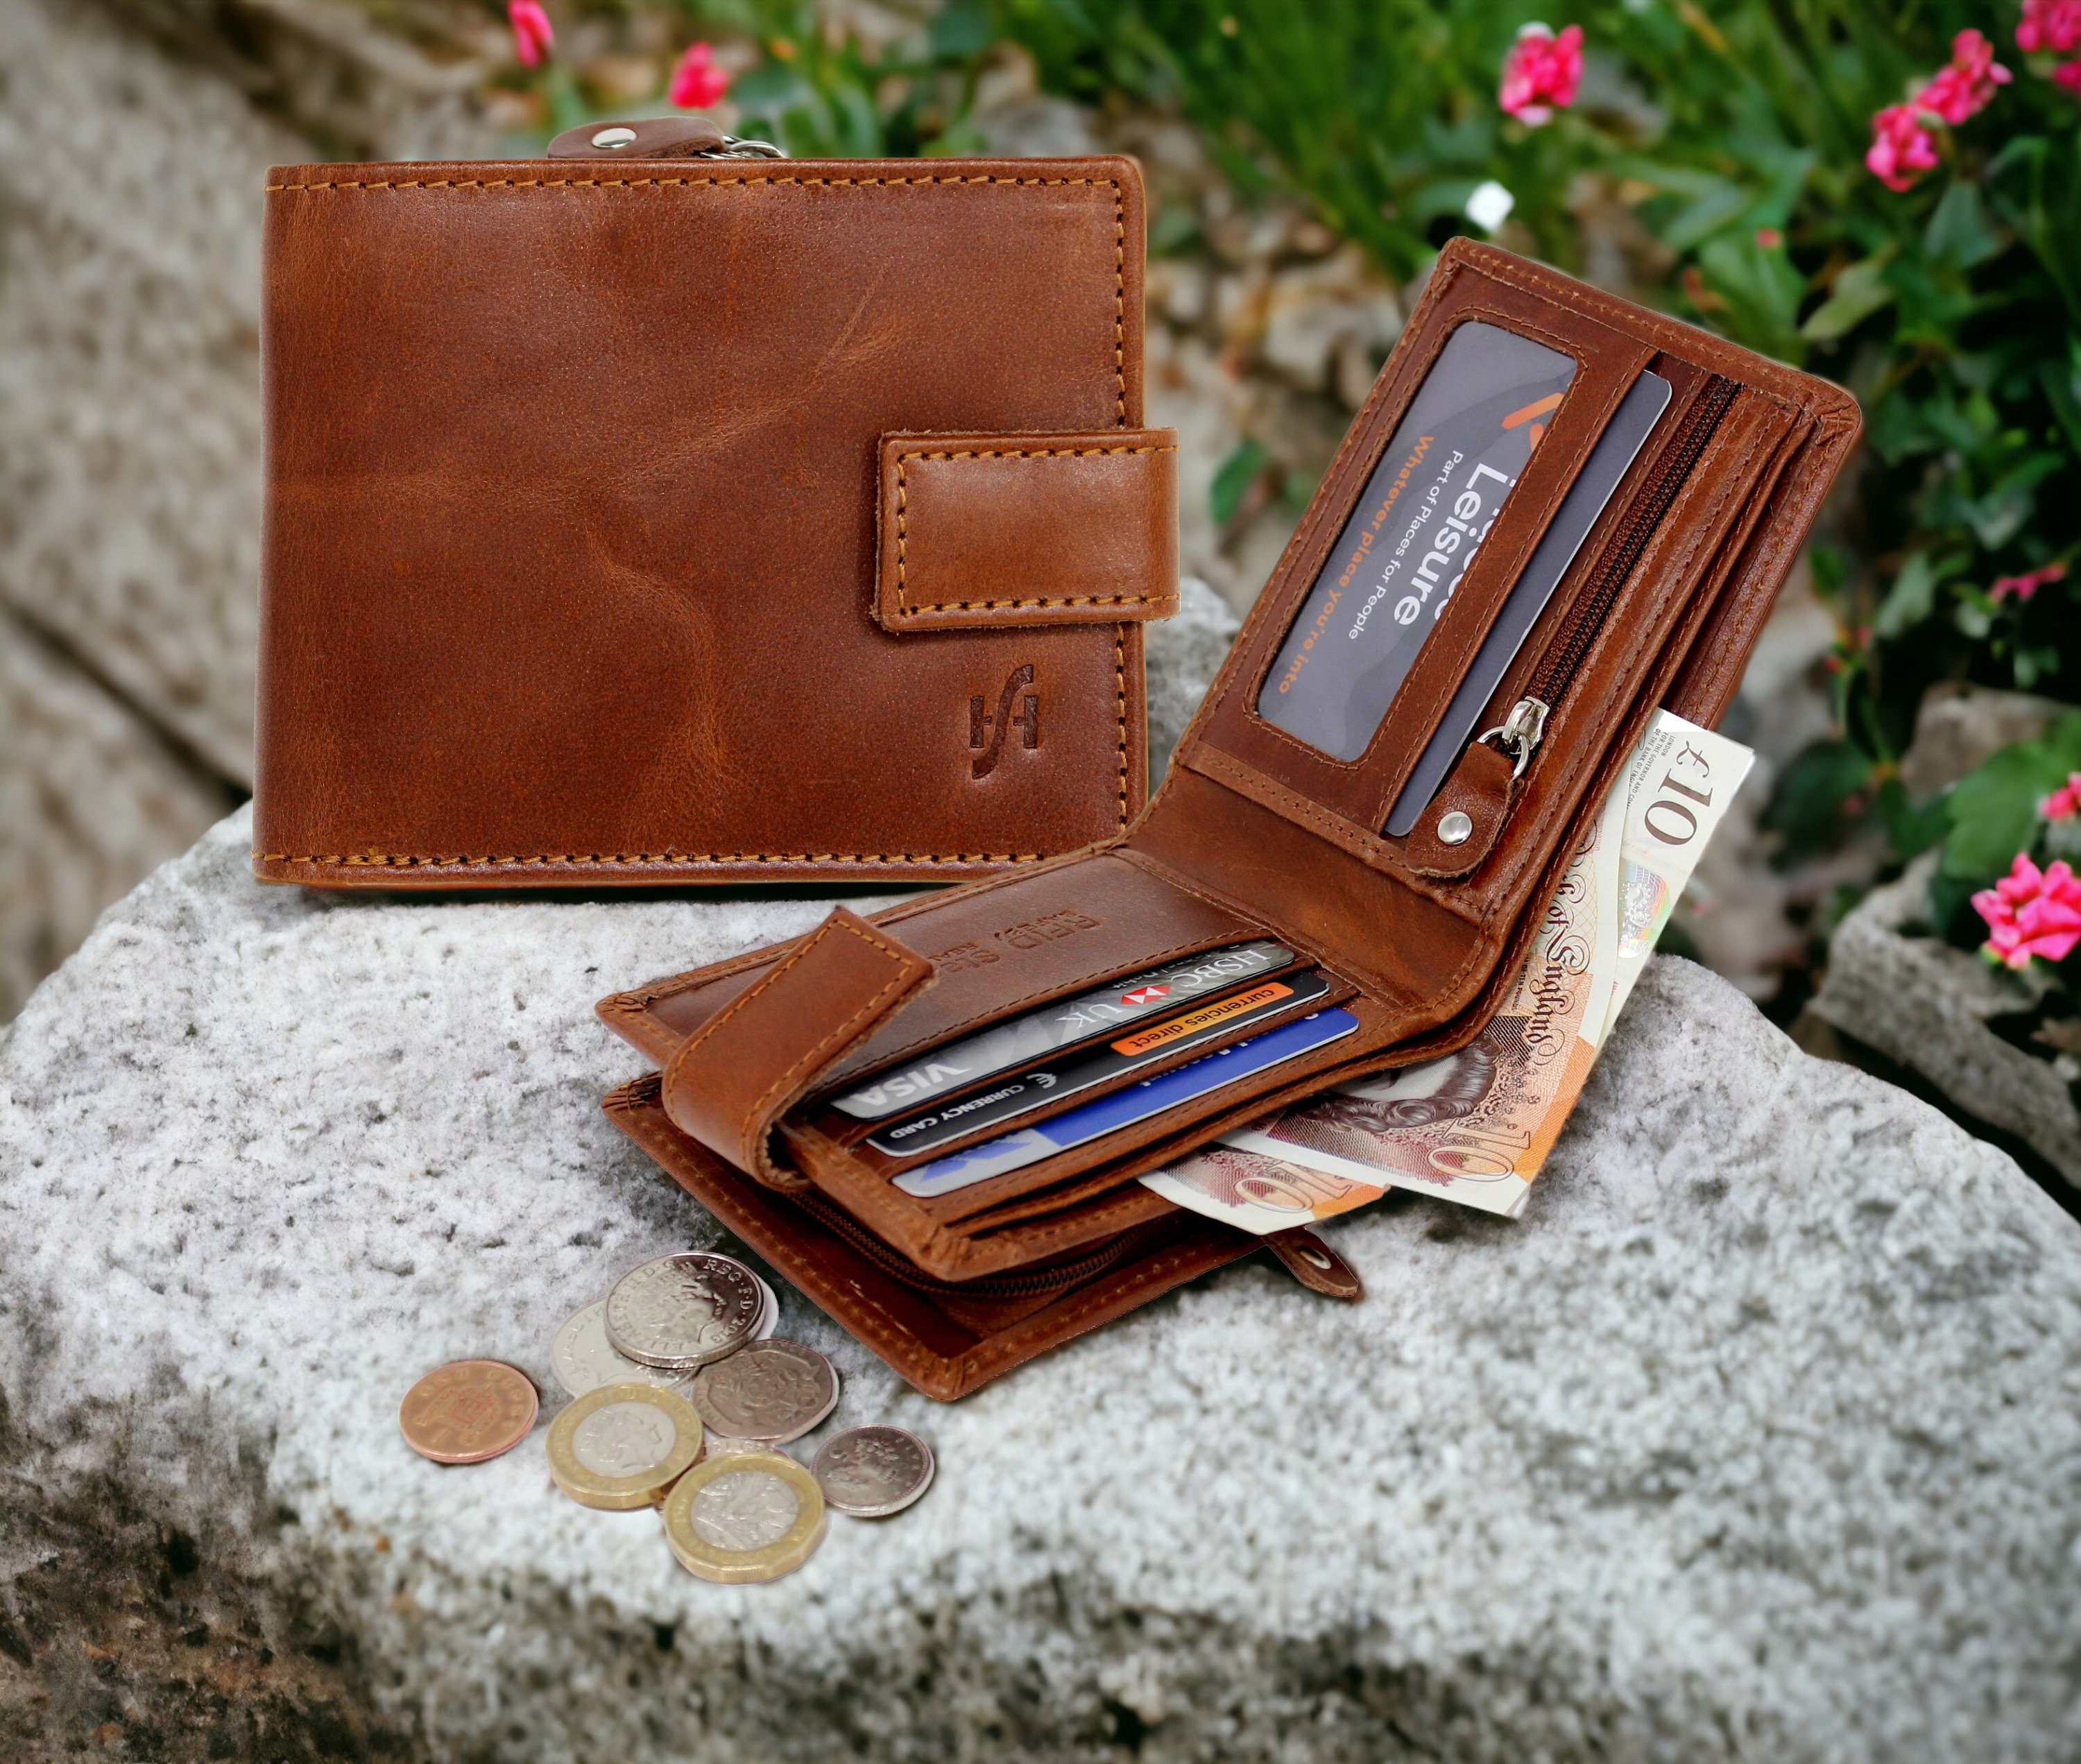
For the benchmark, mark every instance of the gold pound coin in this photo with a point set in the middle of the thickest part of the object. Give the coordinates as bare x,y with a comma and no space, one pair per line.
468,1411
751,1516
621,1446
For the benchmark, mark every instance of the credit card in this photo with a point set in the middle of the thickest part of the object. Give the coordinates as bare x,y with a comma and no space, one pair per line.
1616,448
1038,1085
1454,460
1039,1033
1117,1109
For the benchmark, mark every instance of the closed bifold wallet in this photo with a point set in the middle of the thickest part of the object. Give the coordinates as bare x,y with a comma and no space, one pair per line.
1557,512
703,519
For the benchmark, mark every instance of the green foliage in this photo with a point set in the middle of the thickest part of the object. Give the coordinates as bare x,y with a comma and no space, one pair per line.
1734,132
1993,812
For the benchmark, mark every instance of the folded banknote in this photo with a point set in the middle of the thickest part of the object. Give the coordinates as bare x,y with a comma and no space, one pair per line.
1475,1126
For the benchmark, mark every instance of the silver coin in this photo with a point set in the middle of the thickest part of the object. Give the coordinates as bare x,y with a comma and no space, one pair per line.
623,1439
583,1358
719,1446
874,1471
769,1390
745,1509
769,1319
681,1312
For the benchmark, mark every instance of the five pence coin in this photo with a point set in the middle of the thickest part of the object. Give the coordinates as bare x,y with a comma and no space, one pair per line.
468,1411
752,1516
772,1391
622,1445
874,1471
681,1312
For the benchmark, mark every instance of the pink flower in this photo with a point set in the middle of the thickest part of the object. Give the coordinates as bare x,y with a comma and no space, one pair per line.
2031,912
2064,803
1967,86
1902,149
2023,587
2068,74
697,82
2049,24
1542,72
532,35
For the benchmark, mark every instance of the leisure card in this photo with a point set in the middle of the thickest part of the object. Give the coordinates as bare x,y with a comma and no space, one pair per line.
1039,1033
1454,460
1122,1108
1038,1085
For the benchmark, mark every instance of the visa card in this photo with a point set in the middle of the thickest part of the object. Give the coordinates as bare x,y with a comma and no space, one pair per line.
1038,1085
1117,1109
1454,460
1039,1033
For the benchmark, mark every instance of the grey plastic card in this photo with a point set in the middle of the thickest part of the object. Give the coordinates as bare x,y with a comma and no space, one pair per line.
1616,448
1455,458
1060,1025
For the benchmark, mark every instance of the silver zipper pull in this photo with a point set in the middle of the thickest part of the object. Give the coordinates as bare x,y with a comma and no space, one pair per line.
1521,732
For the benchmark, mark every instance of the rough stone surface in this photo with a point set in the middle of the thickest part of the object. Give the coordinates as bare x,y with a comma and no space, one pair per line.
1759,1436
1893,984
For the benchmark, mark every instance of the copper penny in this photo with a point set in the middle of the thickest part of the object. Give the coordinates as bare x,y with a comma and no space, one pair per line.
467,1411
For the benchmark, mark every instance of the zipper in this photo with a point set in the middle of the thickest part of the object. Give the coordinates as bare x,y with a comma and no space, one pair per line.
1520,733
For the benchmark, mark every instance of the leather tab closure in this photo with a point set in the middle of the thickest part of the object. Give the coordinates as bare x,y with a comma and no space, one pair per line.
737,1075
1315,1265
1458,831
995,530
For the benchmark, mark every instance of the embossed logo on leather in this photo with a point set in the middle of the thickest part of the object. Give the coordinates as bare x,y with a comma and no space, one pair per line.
987,732
1030,935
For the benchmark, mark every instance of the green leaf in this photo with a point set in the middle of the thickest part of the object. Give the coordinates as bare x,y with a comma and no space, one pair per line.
1993,808
1959,231
1911,599
1913,827
1858,292
1237,473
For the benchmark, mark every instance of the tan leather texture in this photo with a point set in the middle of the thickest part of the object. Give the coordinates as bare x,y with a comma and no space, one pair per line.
1253,836
982,530
569,566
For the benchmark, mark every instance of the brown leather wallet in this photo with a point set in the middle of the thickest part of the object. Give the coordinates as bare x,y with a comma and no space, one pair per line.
703,519
1258,834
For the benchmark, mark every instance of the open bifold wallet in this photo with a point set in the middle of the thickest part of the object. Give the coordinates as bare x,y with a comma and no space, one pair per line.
1557,512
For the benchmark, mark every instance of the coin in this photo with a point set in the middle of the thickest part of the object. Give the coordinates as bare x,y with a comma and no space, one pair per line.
583,1358
752,1516
721,1446
467,1410
769,1319
874,1471
681,1312
621,1446
773,1391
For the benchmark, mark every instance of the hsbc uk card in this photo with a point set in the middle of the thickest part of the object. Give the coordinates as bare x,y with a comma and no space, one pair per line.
1060,1025
1457,455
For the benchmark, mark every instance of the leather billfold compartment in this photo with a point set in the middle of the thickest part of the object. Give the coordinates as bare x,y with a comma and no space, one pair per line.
1259,833
704,519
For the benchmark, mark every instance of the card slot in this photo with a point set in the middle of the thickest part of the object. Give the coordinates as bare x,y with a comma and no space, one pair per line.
872,1197
1607,364
853,1139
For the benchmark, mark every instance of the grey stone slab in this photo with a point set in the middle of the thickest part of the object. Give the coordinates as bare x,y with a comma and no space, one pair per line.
1899,989
1759,1436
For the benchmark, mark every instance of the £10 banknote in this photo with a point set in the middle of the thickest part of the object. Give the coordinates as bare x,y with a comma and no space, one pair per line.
1475,1126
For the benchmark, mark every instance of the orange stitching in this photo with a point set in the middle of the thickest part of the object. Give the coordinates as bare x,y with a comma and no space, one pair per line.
1120,706
838,1035
905,610
381,860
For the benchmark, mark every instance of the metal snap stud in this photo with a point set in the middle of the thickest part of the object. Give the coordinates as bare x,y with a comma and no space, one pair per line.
612,138
1454,829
